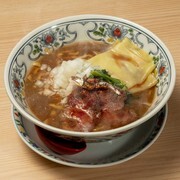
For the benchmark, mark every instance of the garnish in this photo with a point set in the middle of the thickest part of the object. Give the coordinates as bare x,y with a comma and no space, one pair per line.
105,76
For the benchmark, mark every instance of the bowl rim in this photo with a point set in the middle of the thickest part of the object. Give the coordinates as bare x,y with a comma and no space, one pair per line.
88,134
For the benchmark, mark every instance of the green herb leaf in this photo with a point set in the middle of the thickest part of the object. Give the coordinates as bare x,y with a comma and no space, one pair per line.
104,75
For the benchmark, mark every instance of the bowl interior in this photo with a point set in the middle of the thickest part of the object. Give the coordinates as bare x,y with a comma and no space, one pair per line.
77,29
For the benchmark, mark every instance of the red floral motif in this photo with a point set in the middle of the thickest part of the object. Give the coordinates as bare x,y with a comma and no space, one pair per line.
49,39
16,83
161,70
117,32
17,114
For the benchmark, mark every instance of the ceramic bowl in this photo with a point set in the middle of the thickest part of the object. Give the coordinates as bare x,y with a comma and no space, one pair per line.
68,30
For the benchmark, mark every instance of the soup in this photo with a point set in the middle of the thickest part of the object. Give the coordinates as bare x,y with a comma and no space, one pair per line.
68,90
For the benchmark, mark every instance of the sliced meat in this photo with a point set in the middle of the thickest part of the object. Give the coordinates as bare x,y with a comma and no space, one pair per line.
115,119
99,107
75,119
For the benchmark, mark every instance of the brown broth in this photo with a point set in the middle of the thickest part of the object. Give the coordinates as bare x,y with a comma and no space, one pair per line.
48,108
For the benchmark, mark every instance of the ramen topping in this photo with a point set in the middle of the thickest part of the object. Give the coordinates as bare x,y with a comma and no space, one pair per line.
92,110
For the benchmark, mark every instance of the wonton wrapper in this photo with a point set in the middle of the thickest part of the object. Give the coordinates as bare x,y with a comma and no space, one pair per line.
128,63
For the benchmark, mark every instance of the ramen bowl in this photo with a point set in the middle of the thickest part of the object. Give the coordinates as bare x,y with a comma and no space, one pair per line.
93,28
